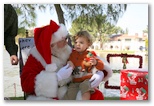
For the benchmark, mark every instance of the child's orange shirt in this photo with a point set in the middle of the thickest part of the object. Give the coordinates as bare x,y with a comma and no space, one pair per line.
77,58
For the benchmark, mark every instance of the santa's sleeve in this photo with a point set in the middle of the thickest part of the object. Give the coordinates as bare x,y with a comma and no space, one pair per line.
107,69
36,80
29,72
46,83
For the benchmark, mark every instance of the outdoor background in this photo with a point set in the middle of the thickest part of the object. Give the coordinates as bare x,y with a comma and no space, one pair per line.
126,103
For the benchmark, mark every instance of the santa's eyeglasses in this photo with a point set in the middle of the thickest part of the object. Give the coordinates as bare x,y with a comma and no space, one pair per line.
67,38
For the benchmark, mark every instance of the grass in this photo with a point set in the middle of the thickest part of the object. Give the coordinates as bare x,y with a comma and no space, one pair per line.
112,98
106,98
16,98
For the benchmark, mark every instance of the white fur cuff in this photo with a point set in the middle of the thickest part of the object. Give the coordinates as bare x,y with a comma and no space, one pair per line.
46,84
51,67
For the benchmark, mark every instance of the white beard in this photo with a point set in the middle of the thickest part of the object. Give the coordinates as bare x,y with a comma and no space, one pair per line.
61,55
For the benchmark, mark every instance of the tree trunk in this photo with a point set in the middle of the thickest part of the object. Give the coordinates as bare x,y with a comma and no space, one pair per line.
61,19
59,13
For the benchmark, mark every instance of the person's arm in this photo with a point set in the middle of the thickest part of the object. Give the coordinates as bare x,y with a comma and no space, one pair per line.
71,64
29,72
10,32
66,72
10,45
107,69
14,59
64,75
12,49
101,75
10,29
35,79
99,64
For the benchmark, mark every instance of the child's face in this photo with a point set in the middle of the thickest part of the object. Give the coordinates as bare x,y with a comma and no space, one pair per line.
81,44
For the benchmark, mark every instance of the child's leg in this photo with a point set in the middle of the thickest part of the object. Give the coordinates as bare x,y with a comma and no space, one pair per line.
86,90
86,96
71,92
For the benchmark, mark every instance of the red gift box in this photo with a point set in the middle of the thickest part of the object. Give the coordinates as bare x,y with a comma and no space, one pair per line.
134,84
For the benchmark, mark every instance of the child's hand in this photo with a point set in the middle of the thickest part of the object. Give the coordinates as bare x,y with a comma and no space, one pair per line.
71,64
93,61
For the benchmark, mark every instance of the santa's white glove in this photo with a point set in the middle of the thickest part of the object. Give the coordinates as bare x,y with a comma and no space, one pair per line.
64,72
96,79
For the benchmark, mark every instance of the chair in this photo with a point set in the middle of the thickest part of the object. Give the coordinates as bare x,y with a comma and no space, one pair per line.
25,44
122,55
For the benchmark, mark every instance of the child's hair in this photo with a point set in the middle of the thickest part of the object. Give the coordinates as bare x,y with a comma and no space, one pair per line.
84,34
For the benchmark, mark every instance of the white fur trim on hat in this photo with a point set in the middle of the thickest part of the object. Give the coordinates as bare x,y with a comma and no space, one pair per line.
51,67
59,34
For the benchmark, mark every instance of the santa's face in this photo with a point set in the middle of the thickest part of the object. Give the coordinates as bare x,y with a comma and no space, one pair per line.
60,44
61,50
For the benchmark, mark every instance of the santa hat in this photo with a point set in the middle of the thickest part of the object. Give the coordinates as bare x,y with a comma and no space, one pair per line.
47,35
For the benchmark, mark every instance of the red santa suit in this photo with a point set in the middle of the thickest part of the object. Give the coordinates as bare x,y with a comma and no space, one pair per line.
39,75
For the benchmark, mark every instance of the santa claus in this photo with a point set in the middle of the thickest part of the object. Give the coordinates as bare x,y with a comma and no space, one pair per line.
46,73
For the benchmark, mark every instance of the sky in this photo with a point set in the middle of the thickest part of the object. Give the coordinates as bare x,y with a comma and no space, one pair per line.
135,18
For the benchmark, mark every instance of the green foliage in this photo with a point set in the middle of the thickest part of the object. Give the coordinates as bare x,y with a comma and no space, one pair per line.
112,11
146,42
16,98
21,31
146,30
27,14
98,27
111,98
71,11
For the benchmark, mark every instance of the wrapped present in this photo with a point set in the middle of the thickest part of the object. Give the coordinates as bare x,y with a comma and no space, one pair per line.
134,84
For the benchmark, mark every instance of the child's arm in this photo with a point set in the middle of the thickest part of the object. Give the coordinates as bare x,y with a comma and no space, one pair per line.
71,64
97,63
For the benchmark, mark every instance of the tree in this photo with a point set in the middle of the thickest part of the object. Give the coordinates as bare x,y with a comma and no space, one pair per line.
100,27
27,16
27,13
112,11
146,43
146,30
69,11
